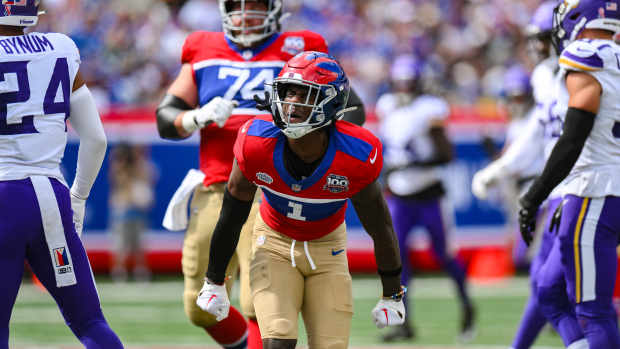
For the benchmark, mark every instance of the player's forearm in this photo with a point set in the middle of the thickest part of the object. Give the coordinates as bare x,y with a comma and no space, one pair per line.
526,149
169,116
93,143
375,217
564,155
225,237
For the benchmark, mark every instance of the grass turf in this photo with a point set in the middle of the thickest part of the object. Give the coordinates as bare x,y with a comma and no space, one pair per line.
151,314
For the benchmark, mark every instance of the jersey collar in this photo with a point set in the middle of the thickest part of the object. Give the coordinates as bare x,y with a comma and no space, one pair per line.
319,172
249,53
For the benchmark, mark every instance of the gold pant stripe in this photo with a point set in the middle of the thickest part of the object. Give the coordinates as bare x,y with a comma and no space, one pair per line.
577,238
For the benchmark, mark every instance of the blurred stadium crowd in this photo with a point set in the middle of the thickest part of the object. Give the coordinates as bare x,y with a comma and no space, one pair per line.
131,49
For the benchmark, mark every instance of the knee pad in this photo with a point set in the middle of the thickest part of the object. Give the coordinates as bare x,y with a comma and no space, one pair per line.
196,315
280,328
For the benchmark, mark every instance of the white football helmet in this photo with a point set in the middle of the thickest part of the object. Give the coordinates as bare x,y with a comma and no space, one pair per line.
249,35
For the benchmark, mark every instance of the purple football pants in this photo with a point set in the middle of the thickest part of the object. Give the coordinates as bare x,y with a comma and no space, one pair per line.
22,238
578,282
533,320
407,214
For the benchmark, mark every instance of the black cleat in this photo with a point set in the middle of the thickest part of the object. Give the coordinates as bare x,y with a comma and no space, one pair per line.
398,333
468,325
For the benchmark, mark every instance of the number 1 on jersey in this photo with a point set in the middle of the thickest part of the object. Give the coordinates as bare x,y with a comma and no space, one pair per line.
296,214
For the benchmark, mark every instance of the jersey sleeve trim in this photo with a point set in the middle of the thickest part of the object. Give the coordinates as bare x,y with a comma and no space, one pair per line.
264,129
581,55
354,147
573,64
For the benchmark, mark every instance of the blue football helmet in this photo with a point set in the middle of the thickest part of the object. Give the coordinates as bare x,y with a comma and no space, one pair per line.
570,17
245,35
19,13
327,92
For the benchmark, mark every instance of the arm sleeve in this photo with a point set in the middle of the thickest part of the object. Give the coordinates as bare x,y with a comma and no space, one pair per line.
576,129
233,215
526,149
86,122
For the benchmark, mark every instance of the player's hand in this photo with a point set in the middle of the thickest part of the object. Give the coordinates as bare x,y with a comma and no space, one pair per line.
218,110
483,179
263,104
213,299
527,219
554,226
78,206
388,312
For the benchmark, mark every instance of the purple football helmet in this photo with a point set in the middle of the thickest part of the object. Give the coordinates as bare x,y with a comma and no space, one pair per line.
538,31
19,13
541,22
516,82
572,16
406,67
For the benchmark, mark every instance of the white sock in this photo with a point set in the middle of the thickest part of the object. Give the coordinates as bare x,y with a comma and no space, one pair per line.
580,344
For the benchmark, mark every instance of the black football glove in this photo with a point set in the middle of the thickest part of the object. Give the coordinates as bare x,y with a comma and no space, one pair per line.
527,219
554,226
263,104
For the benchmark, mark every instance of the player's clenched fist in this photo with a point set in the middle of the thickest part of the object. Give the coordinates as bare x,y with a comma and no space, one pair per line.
213,299
388,312
218,110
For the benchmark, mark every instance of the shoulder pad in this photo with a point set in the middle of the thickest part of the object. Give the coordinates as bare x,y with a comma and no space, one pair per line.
581,55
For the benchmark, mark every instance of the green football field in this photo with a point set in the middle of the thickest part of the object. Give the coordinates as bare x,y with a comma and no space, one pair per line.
150,315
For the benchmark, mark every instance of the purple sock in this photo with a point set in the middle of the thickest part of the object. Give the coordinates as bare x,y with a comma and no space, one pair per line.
99,335
530,326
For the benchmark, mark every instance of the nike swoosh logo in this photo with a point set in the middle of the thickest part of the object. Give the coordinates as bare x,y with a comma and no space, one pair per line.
244,129
337,252
210,299
372,160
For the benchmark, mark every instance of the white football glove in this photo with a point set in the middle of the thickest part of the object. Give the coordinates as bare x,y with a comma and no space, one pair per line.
78,206
388,312
218,110
213,299
484,179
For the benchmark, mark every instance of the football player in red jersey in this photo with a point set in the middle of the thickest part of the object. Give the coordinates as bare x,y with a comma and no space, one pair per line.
307,163
213,93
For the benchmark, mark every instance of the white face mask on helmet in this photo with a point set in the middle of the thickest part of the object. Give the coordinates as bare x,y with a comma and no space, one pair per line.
244,34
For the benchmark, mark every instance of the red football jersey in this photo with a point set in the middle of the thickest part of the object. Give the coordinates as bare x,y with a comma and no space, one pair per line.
222,69
314,206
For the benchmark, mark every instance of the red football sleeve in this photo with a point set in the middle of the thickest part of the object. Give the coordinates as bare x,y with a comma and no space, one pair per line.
239,147
190,47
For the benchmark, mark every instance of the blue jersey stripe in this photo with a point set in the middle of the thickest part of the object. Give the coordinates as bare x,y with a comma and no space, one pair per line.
309,211
264,129
353,146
